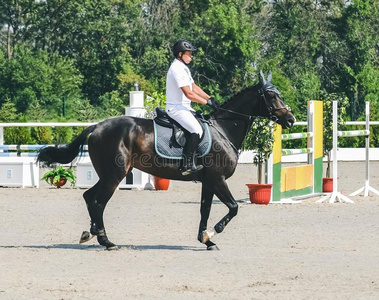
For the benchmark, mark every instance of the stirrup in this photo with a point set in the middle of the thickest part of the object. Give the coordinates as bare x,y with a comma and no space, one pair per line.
187,170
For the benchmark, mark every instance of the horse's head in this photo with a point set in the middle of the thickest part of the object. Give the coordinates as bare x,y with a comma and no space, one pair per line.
277,111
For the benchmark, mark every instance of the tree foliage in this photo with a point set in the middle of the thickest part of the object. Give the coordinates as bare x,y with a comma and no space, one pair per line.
78,59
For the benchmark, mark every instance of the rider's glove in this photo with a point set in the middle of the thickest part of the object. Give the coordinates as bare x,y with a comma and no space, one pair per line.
213,103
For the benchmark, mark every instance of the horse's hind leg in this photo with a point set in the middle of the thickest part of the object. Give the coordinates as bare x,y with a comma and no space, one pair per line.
89,197
96,199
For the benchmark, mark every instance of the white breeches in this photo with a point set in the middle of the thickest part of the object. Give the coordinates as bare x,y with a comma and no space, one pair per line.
185,118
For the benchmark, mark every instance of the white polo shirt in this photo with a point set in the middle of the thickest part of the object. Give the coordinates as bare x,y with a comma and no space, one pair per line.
178,75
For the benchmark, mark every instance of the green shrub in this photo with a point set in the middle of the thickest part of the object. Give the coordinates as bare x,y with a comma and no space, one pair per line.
260,138
42,135
18,135
62,135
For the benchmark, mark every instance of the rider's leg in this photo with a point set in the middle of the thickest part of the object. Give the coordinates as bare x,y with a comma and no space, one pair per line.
189,156
188,121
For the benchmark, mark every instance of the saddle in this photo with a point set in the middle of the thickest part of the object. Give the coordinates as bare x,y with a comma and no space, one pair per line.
178,137
170,137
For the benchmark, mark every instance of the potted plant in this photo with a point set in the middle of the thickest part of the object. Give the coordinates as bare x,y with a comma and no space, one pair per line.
261,139
59,176
157,99
343,103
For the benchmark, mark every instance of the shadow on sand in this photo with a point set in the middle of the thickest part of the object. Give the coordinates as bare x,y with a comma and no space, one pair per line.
98,247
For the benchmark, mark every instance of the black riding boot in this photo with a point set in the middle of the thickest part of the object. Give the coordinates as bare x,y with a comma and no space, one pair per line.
189,165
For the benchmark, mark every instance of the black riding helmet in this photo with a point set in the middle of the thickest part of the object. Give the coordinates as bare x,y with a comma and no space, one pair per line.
181,46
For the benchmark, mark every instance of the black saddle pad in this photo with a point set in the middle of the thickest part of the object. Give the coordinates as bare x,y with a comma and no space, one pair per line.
165,148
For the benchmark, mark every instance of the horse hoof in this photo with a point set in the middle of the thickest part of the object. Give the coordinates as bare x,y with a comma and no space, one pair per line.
112,248
86,236
213,248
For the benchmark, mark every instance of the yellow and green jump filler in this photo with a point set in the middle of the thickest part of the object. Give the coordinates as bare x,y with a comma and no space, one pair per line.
304,179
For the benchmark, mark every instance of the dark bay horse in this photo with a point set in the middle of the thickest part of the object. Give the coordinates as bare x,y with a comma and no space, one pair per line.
119,144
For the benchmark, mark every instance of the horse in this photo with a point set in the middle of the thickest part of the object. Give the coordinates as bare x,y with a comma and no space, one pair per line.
117,145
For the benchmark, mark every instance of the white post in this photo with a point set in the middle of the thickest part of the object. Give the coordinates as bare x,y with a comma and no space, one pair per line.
137,105
1,136
335,145
366,188
269,164
335,195
311,128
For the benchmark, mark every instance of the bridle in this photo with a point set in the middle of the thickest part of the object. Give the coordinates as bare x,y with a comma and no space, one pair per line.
270,108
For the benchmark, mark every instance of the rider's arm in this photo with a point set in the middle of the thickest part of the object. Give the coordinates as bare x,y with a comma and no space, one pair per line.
198,90
196,95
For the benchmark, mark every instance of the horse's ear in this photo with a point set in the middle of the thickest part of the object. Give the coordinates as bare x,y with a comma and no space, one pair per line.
269,76
262,80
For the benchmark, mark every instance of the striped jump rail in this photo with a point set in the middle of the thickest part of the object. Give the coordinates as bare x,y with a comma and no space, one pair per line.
286,152
296,136
348,133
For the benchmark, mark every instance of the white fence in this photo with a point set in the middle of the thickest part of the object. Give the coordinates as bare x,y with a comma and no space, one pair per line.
16,164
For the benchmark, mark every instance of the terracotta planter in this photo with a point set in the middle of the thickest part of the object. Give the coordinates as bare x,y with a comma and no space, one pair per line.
259,193
327,185
62,181
161,184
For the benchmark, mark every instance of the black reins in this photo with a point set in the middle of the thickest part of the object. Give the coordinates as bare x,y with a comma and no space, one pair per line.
234,112
270,109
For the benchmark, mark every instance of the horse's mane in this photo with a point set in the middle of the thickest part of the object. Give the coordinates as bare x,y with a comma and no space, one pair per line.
232,98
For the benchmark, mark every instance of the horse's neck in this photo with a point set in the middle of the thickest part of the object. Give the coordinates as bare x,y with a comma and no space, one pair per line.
246,102
236,125
234,129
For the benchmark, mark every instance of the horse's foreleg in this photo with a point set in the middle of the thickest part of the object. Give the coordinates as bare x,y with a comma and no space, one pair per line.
205,209
223,193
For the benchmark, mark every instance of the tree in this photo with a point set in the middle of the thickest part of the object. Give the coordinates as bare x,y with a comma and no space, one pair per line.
95,33
17,18
225,61
39,77
360,28
301,44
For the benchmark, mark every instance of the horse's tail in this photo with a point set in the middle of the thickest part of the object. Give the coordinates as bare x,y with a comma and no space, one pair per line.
65,154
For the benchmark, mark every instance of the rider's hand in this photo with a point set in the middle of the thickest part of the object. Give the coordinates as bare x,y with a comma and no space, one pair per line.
213,103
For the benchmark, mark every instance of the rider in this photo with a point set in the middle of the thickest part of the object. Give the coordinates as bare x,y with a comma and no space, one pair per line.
180,91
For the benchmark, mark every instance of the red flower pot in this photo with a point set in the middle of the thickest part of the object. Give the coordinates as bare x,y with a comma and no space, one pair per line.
259,193
161,184
327,185
61,182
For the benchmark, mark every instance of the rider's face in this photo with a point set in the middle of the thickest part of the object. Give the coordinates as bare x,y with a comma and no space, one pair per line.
187,56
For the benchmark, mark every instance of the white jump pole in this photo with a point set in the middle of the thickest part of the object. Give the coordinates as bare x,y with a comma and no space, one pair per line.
335,196
366,188
1,136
